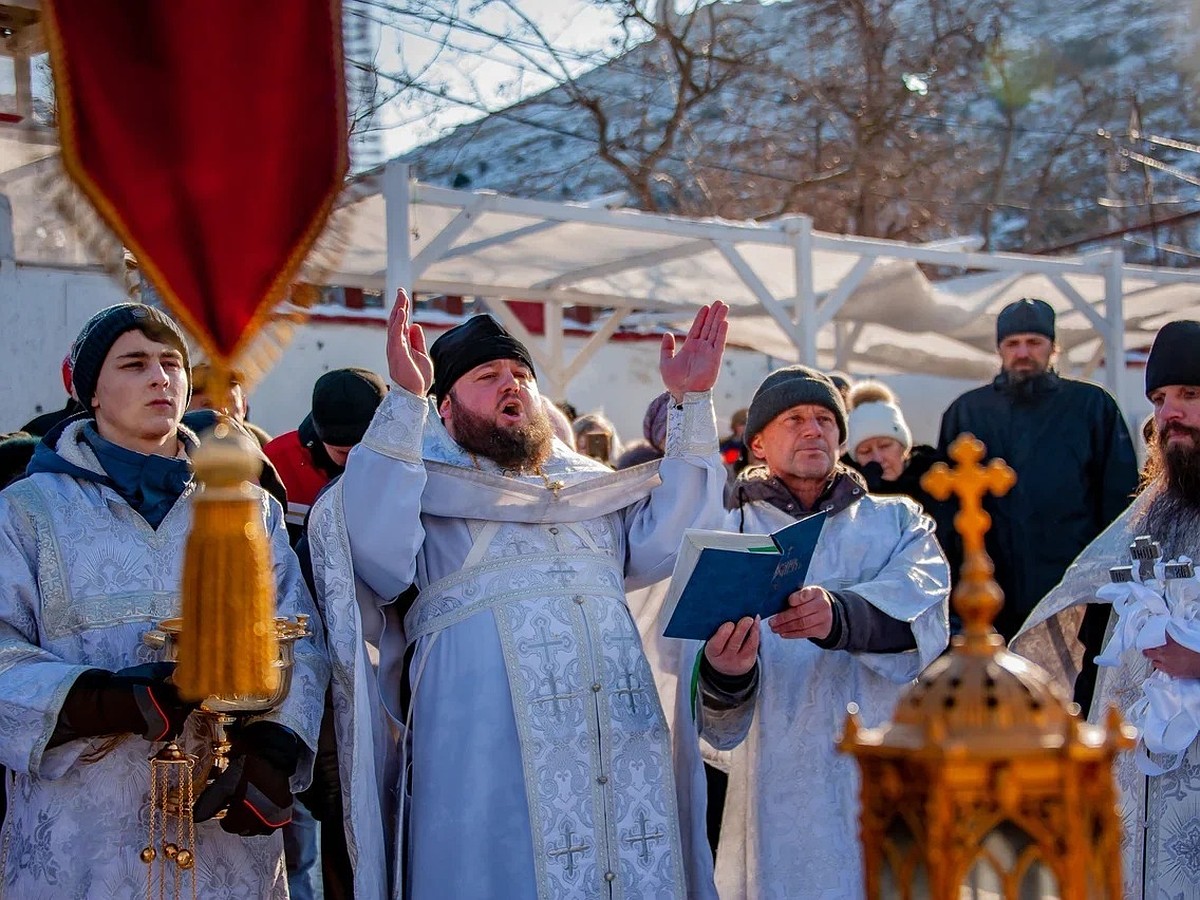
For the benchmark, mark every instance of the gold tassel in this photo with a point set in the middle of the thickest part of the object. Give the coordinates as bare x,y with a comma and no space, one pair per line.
227,644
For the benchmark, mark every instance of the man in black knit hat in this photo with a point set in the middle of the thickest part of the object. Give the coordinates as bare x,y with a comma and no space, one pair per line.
343,401
1073,457
91,548
1159,799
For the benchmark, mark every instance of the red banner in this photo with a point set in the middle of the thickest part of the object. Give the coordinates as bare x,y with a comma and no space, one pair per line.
211,136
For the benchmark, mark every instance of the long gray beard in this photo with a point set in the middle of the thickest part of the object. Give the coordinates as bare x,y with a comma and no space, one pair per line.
1173,521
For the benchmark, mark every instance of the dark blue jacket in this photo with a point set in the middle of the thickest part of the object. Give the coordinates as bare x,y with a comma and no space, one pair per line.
1076,472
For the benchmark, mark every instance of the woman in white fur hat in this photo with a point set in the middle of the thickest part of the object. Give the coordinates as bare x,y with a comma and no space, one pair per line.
880,445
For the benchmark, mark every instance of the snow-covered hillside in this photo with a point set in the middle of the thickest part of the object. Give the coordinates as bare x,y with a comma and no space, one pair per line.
1018,129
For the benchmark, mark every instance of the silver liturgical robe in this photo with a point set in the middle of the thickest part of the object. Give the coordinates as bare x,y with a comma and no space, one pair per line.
538,756
82,578
790,827
1160,814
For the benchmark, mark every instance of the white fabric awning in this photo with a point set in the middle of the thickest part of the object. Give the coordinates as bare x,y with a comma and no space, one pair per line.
795,293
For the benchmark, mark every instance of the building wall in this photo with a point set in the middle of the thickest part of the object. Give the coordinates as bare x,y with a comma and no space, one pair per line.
41,312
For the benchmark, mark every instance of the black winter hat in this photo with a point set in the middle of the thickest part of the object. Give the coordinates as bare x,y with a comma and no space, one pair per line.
1175,356
343,402
480,339
102,330
1025,317
788,387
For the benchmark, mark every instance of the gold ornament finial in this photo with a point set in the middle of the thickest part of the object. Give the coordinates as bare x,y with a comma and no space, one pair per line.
977,598
971,482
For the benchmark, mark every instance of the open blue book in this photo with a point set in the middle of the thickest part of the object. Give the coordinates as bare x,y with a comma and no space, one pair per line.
721,576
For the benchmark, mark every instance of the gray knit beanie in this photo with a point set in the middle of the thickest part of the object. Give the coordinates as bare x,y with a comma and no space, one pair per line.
792,386
102,330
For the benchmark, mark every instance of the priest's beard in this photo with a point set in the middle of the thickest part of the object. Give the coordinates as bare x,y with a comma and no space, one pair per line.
523,447
1173,482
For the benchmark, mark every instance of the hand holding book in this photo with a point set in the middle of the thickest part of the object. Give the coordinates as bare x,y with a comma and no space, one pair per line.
809,615
724,577
734,648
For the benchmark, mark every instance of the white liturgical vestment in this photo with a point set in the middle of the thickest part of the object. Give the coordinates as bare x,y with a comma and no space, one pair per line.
790,826
538,762
82,577
1160,814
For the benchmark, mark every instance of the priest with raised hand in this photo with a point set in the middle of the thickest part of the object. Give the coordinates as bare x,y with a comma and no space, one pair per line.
537,762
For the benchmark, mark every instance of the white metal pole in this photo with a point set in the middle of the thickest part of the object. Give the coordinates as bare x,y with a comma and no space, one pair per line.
841,346
799,228
1114,315
396,216
552,321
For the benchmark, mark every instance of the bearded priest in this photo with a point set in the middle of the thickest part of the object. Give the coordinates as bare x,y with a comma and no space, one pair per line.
537,762
1159,796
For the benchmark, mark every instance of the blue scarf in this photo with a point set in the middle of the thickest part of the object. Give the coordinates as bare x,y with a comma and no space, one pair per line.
149,483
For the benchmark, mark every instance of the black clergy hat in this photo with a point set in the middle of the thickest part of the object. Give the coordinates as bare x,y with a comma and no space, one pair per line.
480,339
1025,317
343,402
1175,356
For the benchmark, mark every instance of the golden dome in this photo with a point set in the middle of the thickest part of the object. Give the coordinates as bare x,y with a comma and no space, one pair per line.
964,700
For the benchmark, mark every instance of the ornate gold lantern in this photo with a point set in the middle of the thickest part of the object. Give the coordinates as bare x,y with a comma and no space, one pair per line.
987,784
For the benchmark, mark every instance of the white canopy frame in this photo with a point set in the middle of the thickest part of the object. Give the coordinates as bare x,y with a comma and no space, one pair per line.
496,247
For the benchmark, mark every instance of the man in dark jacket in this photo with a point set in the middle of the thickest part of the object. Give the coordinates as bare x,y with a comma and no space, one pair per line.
1072,454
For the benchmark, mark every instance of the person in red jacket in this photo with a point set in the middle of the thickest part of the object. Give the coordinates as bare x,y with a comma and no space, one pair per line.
310,457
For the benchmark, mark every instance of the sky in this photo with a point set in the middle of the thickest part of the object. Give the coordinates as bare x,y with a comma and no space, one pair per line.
474,72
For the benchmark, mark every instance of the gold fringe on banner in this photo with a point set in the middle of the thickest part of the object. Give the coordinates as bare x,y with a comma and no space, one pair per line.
265,349
227,643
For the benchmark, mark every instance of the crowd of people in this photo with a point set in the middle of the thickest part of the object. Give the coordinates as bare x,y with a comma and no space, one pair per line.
488,706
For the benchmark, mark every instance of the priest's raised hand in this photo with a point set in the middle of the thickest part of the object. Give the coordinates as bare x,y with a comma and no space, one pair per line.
408,360
695,366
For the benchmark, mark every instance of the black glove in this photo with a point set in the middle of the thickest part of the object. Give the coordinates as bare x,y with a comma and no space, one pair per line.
256,788
323,798
138,700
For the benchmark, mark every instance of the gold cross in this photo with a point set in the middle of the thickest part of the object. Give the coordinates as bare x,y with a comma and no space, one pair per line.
552,486
971,482
977,598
